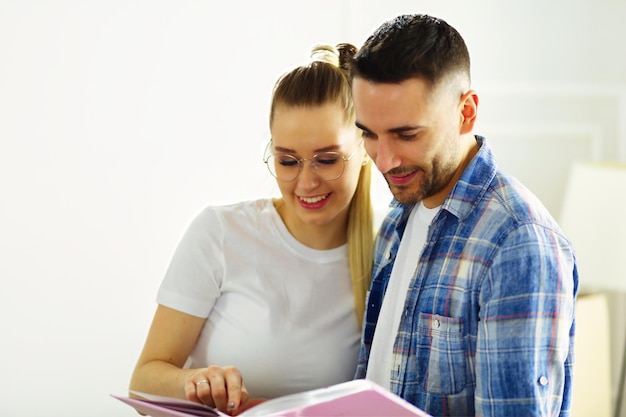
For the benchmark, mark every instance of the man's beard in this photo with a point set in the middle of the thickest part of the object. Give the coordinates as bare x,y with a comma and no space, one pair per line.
431,182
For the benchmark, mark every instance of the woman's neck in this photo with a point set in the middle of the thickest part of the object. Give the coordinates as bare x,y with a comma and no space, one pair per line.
322,237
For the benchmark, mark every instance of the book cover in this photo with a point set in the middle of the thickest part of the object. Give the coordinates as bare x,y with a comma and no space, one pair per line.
358,397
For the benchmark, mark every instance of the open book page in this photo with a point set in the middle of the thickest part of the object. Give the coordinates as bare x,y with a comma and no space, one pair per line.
359,397
159,406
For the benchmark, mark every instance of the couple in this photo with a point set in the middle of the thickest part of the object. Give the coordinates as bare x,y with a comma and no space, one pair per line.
468,306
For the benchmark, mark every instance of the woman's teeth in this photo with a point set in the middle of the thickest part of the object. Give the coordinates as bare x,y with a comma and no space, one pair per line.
312,200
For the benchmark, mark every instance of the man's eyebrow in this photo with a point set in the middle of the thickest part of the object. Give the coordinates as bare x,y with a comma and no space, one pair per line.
361,126
398,129
401,129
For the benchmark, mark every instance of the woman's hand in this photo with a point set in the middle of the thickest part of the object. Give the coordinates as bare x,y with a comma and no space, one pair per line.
249,404
217,386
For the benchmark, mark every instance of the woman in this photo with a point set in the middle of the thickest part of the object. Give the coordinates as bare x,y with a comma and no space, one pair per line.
274,290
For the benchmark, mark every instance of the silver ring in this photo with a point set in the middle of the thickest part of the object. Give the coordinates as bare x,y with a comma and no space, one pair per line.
204,381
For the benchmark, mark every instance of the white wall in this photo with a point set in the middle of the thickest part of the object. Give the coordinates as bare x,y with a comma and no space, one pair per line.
119,120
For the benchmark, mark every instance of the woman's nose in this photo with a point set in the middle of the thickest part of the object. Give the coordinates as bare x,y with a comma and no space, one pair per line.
308,174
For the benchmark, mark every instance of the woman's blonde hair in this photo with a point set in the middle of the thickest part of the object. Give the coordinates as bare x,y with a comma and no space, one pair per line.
326,79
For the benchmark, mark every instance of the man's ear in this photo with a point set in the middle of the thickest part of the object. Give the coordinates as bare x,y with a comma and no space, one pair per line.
469,110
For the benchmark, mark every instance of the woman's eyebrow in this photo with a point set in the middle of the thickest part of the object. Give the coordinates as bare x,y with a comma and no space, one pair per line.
330,148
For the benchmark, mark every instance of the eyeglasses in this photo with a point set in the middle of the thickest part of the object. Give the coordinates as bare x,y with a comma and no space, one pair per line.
327,165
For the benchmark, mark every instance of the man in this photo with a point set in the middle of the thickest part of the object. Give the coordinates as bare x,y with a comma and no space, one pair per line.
471,308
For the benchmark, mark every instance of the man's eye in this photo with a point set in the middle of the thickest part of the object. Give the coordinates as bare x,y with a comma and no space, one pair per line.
367,135
407,137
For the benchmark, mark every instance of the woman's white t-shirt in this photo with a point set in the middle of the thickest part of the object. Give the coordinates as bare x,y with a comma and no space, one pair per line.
279,311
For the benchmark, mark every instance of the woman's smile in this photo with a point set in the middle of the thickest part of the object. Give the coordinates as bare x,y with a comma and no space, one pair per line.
313,202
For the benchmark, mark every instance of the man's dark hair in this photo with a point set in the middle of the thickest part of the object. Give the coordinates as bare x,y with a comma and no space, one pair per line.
411,46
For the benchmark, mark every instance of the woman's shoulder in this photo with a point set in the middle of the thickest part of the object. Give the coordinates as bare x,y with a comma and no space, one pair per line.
247,207
242,212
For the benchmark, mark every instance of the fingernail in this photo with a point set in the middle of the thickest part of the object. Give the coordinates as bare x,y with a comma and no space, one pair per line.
231,406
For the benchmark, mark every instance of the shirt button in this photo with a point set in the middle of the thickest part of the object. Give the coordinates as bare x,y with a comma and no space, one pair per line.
436,323
388,255
543,380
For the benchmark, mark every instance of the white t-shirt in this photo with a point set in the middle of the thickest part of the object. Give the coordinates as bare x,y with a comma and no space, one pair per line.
279,311
411,246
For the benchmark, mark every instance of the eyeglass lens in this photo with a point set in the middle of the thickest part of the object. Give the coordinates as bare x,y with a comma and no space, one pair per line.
327,165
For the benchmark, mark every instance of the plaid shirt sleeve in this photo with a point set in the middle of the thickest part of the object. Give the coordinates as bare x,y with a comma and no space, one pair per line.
524,332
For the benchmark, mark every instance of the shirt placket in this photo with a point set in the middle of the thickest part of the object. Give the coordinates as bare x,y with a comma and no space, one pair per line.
404,345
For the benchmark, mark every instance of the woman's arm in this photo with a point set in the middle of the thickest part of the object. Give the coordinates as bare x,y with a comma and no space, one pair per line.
171,339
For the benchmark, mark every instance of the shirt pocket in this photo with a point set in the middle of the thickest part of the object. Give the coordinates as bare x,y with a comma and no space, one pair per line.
441,354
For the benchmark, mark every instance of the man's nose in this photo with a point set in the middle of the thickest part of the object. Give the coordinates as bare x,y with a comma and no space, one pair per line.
384,155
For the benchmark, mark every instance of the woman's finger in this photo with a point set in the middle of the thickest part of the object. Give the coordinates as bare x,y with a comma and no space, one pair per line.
236,392
248,404
216,393
204,392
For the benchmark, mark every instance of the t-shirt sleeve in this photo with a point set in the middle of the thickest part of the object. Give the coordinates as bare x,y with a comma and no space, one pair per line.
193,279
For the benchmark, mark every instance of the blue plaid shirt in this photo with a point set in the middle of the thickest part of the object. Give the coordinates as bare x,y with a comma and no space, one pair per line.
488,323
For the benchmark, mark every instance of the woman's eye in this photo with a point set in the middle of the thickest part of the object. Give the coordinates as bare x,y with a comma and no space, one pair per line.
327,159
287,162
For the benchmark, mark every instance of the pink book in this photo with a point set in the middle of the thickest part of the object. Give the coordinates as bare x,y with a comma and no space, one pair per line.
358,397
